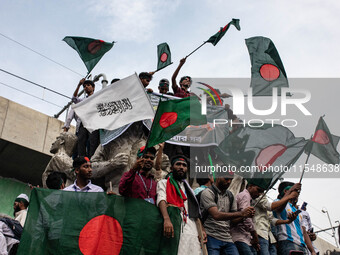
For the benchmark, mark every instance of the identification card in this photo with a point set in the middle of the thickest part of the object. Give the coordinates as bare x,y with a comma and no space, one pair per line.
150,200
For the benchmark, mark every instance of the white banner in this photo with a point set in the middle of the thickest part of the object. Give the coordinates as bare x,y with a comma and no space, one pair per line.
121,103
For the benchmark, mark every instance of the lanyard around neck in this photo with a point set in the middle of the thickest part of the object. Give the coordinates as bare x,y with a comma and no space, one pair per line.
146,189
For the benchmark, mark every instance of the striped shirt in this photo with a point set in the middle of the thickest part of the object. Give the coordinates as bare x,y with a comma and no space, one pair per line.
293,231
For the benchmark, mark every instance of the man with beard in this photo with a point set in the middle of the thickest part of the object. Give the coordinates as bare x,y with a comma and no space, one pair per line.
83,170
221,207
139,182
175,191
8,240
20,208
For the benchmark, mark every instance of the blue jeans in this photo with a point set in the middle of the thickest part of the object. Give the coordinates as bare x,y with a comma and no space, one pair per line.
245,249
284,247
266,247
217,247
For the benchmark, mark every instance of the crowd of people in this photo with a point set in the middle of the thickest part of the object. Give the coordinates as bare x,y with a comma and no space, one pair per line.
213,218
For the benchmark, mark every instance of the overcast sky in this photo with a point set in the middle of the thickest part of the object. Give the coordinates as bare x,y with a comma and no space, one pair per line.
306,35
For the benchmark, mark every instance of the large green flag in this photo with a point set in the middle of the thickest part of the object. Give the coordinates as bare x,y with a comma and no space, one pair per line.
323,144
90,50
214,39
172,117
67,222
255,152
164,56
267,71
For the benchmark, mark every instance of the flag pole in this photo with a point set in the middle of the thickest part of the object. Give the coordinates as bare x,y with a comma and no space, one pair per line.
271,186
200,233
163,67
196,49
261,197
303,171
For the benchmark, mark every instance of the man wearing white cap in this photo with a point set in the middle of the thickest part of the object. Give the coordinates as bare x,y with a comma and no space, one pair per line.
20,208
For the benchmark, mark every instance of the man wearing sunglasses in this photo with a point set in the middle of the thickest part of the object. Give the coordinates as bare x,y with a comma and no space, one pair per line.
185,82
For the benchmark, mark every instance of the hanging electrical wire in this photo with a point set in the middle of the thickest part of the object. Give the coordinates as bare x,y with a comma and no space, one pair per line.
30,94
36,84
40,54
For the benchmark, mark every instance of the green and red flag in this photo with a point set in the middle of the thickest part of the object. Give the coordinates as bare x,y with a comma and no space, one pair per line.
323,144
260,150
267,71
218,36
172,117
90,50
164,56
66,222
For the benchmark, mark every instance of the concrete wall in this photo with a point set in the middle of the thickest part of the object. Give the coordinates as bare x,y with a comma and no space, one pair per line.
25,140
324,246
26,127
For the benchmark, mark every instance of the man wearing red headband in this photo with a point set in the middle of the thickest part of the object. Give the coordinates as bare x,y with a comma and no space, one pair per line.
139,182
83,170
176,191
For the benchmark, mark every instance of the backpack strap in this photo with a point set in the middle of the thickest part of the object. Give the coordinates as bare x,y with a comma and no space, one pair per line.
231,199
214,190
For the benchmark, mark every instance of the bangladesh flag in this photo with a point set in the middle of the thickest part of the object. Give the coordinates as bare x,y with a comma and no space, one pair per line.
261,148
67,222
90,50
164,56
217,37
323,144
267,71
172,117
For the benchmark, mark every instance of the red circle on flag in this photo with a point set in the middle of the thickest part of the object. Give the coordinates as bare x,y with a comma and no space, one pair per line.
320,137
95,46
101,235
167,119
164,57
268,155
269,72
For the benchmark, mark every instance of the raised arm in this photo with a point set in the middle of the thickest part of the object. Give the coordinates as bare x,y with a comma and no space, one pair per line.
174,76
292,193
81,82
125,184
158,162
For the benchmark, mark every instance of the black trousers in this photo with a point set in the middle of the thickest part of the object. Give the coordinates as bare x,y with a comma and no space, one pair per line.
86,138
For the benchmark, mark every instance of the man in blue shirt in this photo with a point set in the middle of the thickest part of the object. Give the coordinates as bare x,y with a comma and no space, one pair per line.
291,236
83,170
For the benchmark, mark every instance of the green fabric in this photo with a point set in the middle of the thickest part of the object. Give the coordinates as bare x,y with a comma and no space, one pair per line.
251,146
217,37
84,46
262,51
175,184
163,50
325,152
12,188
56,218
188,111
